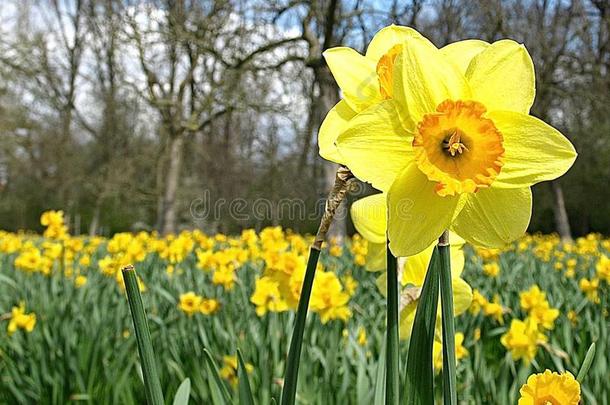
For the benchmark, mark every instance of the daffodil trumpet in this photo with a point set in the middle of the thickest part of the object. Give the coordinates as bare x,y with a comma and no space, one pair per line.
343,180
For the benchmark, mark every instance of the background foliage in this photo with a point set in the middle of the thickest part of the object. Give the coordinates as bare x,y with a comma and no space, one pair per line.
124,113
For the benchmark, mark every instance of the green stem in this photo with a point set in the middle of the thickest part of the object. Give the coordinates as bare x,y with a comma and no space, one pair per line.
343,179
419,373
294,354
449,362
392,352
154,395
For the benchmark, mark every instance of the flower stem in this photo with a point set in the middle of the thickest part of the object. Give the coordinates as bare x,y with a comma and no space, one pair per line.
154,395
392,351
343,180
449,373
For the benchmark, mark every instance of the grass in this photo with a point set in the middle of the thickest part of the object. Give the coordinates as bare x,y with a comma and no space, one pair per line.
83,347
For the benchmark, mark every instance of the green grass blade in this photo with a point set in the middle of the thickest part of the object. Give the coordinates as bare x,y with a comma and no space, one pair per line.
586,364
449,373
379,398
294,353
245,393
219,390
154,395
420,375
183,393
392,348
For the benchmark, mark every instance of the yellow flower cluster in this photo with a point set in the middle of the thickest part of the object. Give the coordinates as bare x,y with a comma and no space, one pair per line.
535,303
278,257
279,288
54,223
58,252
359,250
229,369
491,269
21,320
493,309
525,335
191,303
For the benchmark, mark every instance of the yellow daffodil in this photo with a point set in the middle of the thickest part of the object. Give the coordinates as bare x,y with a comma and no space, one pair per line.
491,269
494,309
455,146
522,339
267,297
589,287
21,320
532,298
80,281
534,301
189,303
328,298
478,302
603,268
550,388
209,306
369,217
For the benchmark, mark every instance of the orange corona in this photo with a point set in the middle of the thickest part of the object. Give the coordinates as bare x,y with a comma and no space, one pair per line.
458,148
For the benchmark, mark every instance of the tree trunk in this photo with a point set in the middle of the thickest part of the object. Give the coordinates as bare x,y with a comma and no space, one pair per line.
561,215
329,96
95,220
171,185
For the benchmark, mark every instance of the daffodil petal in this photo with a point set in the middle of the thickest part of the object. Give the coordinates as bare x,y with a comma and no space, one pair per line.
407,316
414,271
386,38
534,151
335,122
423,79
493,217
375,147
369,215
502,77
462,295
356,75
376,257
461,53
456,254
417,214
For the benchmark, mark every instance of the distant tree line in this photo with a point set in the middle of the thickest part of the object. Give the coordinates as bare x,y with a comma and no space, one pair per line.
131,114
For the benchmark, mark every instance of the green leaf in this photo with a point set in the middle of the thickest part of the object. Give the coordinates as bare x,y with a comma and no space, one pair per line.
379,398
448,330
420,375
245,393
219,390
586,364
183,393
154,395
294,353
393,353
